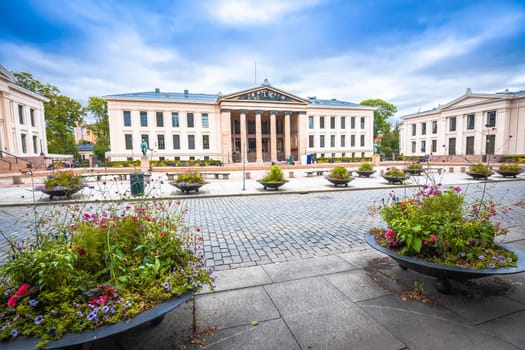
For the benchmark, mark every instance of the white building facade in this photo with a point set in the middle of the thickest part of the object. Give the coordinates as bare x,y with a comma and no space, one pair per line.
472,127
257,125
22,120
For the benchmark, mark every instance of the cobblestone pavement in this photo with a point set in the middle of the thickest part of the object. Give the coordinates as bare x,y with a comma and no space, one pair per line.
255,230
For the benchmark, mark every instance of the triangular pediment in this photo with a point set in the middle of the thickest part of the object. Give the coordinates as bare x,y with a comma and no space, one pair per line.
264,93
470,99
7,75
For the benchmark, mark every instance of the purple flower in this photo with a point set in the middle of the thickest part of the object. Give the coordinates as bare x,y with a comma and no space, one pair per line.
80,314
509,259
167,286
492,265
38,319
14,332
52,331
33,302
91,315
105,308
481,257
462,254
112,310
75,304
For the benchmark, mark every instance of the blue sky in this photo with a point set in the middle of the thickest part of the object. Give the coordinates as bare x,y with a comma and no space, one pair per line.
414,54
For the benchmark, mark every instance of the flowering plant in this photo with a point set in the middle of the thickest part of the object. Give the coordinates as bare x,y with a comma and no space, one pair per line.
61,180
511,168
85,269
394,172
340,172
438,226
190,178
480,168
365,167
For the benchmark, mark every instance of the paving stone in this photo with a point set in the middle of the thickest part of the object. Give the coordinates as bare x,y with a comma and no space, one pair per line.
356,285
427,327
233,308
306,268
241,278
509,328
360,258
266,335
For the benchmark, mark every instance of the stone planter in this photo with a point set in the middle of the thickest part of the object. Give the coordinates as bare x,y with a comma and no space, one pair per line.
508,173
395,179
187,187
62,191
413,171
337,182
445,272
273,185
478,176
152,316
365,173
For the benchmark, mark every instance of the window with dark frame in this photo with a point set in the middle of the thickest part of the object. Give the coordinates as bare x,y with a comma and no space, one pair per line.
189,120
129,141
32,116
160,142
21,114
470,121
469,142
452,146
311,141
127,118
205,121
205,141
434,126
491,119
175,119
160,119
176,141
452,124
321,141
143,119
191,141
321,122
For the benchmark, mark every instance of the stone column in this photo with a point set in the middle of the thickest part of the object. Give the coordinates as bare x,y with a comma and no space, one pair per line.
258,137
273,137
287,141
244,142
226,135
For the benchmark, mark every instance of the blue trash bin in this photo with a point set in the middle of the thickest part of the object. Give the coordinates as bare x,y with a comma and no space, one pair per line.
137,184
308,159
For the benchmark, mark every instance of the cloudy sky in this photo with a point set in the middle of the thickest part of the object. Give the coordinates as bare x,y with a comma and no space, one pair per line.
414,54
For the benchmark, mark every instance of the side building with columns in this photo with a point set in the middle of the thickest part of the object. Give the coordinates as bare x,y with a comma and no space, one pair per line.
261,124
474,127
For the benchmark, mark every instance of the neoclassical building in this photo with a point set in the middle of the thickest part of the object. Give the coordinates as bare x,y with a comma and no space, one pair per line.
22,121
257,125
471,127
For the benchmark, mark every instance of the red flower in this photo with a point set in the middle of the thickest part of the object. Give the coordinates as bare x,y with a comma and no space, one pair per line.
432,238
12,301
24,288
389,234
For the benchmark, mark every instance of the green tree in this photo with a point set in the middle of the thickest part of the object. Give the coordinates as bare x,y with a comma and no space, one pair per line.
390,139
62,114
98,107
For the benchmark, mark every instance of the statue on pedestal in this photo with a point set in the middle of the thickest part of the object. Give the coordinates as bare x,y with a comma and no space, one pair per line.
144,147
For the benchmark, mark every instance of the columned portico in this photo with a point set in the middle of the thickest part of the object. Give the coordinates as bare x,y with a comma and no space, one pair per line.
258,137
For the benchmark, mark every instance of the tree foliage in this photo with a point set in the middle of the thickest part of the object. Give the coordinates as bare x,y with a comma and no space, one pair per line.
384,110
98,107
62,114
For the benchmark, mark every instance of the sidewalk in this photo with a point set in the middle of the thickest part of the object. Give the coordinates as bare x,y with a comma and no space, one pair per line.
355,300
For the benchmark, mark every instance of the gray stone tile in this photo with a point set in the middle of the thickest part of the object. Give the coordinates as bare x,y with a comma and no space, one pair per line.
302,296
266,335
356,285
342,327
509,328
360,258
306,268
240,278
233,308
427,327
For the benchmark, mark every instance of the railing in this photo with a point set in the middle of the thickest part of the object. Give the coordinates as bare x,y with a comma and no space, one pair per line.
29,164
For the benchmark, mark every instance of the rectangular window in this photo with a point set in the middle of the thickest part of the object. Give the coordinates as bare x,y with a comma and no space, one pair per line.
434,146
189,120
321,122
413,129
343,122
176,141
160,142
352,123
423,146
452,146
352,140
127,118
434,127
362,122
413,146
321,141
332,141
143,119
129,141
205,141
490,144
423,128
35,144
342,140
205,122
32,116
470,145
310,122
21,114
191,141
175,119
470,122
452,124
160,119
311,141
491,120
24,143
332,122
362,139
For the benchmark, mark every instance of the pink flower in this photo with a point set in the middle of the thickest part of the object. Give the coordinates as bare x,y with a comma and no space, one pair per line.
394,243
24,288
12,301
390,234
425,242
432,238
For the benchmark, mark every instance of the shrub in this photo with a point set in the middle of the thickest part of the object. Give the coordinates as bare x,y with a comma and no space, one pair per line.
191,178
394,172
480,168
340,172
65,179
275,175
365,167
511,168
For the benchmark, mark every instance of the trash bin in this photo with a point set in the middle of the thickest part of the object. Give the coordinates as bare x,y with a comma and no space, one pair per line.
308,159
291,160
137,184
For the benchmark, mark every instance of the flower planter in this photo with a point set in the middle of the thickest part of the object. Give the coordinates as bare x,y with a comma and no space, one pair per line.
413,171
478,176
365,173
187,187
336,182
273,185
61,191
395,179
153,316
508,173
445,272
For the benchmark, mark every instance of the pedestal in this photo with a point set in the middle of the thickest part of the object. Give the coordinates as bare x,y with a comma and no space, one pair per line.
376,159
144,164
